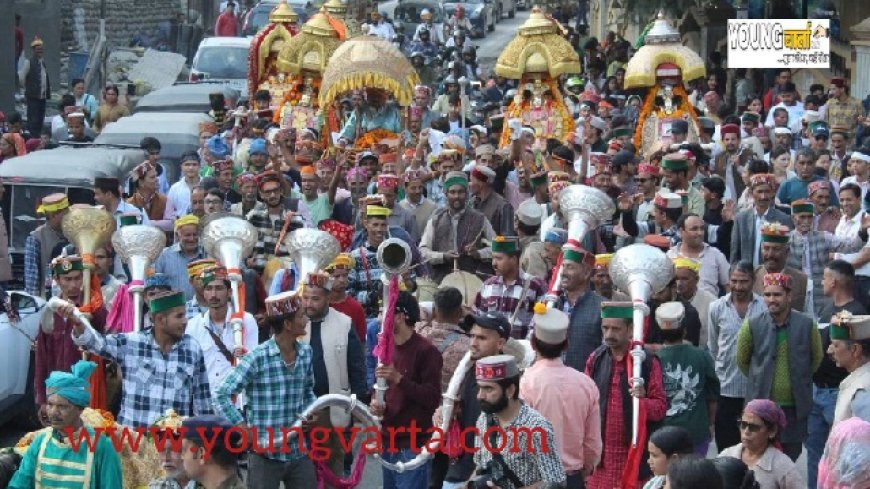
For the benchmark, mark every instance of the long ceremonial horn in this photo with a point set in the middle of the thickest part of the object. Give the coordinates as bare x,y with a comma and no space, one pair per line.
394,256
311,250
585,208
88,228
641,270
138,245
230,239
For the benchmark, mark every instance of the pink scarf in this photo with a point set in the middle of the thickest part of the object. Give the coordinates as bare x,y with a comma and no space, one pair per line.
120,318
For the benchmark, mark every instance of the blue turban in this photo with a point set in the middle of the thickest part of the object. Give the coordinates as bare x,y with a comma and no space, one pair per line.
557,236
217,147
258,147
158,280
73,386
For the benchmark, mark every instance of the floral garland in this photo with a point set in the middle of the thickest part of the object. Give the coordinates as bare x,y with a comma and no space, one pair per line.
649,107
373,137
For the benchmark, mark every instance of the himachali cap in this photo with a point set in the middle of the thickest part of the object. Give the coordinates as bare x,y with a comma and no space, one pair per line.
814,187
680,126
598,123
557,236
601,162
245,178
165,302
751,117
820,128
158,280
484,149
558,176
530,213
53,203
602,261
777,279
222,165
343,260
688,264
730,129
455,178
576,254
551,325
211,274
196,267
843,131
615,145
668,200
495,368
617,309
326,164
411,175
65,264
762,179
483,173
675,162
555,187
283,304
186,221
538,179
838,82
849,327
506,244
774,232
802,206
670,314
319,279
494,322
387,180
658,241
271,176
647,169
621,132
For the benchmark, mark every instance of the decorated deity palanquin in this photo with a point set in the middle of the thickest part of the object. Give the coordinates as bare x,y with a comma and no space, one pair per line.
662,65
263,70
537,56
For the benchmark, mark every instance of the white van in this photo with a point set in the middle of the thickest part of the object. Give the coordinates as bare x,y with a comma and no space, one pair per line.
222,59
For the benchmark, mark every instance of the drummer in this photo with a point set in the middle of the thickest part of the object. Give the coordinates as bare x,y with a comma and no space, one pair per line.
511,292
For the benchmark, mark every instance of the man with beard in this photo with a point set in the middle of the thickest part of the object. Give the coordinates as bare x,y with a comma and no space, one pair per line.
170,459
827,216
778,351
173,260
610,366
247,184
675,178
729,163
214,330
268,217
453,235
159,356
377,113
582,305
52,460
512,292
55,349
415,202
497,210
507,421
774,255
746,231
488,337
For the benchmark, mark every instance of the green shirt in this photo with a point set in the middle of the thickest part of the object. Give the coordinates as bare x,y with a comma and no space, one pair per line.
690,383
319,209
780,391
52,463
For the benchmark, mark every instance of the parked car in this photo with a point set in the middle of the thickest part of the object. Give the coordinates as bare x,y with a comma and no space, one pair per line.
507,7
188,97
258,16
480,13
17,398
222,60
407,15
523,4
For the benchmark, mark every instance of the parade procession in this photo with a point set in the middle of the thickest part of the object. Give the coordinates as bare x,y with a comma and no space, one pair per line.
476,244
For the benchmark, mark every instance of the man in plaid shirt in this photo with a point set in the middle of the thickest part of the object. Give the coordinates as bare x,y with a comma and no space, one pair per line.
268,217
511,292
277,378
163,367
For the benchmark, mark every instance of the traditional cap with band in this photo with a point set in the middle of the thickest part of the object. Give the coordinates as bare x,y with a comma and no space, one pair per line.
484,149
601,162
195,268
130,219
647,169
621,132
378,211
158,280
841,130
530,213
53,203
555,187
386,180
658,241
343,261
187,220
74,386
165,302
551,325
538,179
850,328
557,236
506,244
688,264
495,368
617,310
326,164
814,187
802,206
675,162
615,145
222,165
730,129
668,200
319,279
838,82
603,260
751,117
483,173
777,279
455,178
211,274
65,264
576,254
670,314
283,304
774,232
558,176
762,179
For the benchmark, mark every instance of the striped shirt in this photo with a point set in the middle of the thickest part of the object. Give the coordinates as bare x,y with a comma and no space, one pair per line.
497,297
275,393
723,326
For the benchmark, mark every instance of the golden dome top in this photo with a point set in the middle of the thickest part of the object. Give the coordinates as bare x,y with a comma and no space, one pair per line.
538,24
335,7
283,13
318,25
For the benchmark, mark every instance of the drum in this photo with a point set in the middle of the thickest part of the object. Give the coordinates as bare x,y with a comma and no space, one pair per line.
467,283
426,288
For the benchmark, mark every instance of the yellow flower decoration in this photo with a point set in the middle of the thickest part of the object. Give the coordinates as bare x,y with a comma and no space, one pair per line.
540,308
500,239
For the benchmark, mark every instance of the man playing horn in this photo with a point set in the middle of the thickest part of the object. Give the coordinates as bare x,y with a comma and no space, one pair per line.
213,331
285,361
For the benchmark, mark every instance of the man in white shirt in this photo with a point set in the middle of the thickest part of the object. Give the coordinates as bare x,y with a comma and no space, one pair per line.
850,204
381,28
179,193
213,330
789,101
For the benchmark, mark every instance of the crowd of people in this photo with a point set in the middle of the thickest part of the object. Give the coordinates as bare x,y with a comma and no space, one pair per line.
759,345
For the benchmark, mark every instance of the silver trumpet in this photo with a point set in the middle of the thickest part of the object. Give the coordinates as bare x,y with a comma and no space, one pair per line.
138,245
230,239
641,270
311,250
394,257
585,208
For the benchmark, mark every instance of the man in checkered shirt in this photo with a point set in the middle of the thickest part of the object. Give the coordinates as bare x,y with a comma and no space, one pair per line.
163,367
529,454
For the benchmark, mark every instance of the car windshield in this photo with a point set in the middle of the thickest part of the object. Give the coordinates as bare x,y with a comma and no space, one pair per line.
410,12
222,62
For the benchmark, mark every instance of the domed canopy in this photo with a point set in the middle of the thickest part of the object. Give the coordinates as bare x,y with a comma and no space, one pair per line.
335,7
311,49
538,48
368,62
283,13
662,47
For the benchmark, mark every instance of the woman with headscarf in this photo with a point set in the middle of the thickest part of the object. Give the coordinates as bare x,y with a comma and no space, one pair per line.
11,145
51,460
845,462
760,426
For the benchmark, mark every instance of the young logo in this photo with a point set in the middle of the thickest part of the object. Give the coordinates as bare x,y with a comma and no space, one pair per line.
779,43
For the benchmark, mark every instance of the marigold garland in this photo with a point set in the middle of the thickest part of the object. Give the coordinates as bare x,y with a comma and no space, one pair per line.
649,108
373,137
